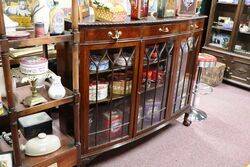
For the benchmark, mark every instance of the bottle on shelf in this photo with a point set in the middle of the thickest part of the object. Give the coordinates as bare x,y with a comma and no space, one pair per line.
56,20
41,14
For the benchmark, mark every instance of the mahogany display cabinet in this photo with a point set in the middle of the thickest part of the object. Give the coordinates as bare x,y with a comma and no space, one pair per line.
135,78
230,42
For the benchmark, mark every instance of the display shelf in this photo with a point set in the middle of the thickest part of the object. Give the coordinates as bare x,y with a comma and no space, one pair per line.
121,68
22,92
226,3
155,62
32,41
108,99
247,33
221,28
217,46
151,88
115,69
67,150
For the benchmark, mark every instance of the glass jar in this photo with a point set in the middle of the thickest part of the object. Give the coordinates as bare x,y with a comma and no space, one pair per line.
166,8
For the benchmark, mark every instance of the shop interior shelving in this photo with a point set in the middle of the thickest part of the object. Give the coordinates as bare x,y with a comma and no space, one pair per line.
69,153
230,45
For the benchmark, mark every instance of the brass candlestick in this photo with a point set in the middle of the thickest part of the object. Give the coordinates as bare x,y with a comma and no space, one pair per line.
35,98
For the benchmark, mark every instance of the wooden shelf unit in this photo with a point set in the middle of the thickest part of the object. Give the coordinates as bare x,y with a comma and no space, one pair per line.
22,92
69,153
237,62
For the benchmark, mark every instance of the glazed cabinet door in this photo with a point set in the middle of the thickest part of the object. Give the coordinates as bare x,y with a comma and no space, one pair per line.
108,78
153,83
184,72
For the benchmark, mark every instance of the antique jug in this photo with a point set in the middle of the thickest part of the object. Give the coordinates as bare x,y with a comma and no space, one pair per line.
56,90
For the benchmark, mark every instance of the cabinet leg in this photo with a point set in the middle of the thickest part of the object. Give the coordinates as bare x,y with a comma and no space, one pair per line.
186,121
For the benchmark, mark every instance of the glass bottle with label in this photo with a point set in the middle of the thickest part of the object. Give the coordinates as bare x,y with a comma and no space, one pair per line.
139,9
166,8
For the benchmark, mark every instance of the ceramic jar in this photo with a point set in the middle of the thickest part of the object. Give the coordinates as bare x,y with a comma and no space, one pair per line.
41,145
56,90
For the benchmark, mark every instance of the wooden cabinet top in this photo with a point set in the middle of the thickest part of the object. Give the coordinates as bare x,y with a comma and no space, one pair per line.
90,21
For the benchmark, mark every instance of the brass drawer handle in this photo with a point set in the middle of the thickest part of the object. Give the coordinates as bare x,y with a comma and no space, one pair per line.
116,36
166,30
194,26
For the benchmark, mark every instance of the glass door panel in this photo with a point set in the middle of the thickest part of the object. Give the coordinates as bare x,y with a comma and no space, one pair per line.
154,85
110,87
183,74
243,36
223,23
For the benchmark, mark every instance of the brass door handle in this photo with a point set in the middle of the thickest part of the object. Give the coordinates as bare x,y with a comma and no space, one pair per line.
116,36
166,30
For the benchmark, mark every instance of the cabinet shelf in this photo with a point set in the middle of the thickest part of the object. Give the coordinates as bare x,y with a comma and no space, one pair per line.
115,69
221,28
151,88
247,33
155,62
32,41
66,149
108,99
22,92
226,3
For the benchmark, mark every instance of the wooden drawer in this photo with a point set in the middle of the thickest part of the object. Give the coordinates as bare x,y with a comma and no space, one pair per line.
239,70
104,34
162,29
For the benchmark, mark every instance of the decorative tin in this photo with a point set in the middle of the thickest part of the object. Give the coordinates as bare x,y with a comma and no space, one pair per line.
102,91
39,29
101,65
114,123
33,65
150,105
32,125
125,60
186,7
119,82
166,8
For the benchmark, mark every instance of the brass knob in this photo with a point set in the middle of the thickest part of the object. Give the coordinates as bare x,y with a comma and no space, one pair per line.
166,30
116,36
